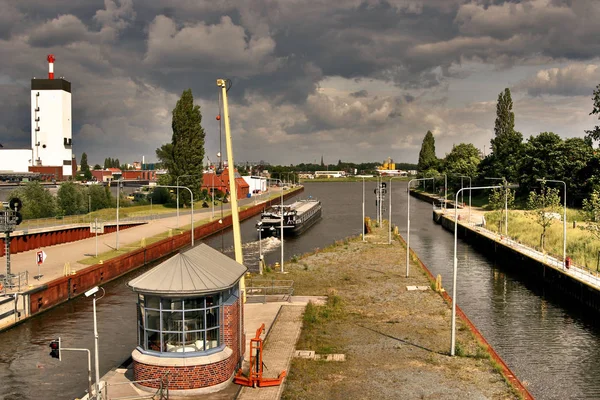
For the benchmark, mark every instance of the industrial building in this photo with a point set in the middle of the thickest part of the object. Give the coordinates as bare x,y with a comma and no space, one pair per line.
51,131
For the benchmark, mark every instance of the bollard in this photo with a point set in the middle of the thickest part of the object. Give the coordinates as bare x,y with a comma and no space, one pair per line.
438,283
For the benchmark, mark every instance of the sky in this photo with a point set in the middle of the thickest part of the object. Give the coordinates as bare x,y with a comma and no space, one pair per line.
350,80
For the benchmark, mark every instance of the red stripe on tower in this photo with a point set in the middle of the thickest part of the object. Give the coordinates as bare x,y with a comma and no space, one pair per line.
50,59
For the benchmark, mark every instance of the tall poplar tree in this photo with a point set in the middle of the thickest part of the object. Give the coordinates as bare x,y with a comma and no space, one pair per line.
185,154
507,144
427,157
85,167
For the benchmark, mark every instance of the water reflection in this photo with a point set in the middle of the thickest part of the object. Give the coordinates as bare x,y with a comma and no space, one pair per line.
552,346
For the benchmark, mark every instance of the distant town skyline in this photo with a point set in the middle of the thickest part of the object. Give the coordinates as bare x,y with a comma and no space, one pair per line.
353,80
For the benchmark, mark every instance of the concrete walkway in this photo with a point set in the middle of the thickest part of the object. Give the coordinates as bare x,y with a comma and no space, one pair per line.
72,252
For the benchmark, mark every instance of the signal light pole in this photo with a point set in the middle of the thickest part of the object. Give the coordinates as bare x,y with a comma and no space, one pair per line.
9,218
56,352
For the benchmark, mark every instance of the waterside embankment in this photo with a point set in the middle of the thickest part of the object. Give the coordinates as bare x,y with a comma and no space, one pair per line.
579,286
15,307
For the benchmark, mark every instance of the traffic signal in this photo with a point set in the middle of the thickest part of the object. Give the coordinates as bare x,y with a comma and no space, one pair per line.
15,204
55,348
18,218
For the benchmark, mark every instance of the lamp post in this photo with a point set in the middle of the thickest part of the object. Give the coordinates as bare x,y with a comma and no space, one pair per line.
177,186
465,176
390,212
281,270
445,190
118,196
408,223
505,203
564,217
363,210
192,199
454,271
92,292
260,228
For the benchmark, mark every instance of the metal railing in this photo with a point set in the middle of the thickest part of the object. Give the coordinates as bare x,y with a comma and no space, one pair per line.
261,290
574,270
16,281
162,393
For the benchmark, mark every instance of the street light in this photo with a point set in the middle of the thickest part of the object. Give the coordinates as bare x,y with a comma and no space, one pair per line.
454,272
445,190
192,198
92,292
505,182
390,212
118,196
260,228
408,222
466,176
281,270
177,185
564,217
363,210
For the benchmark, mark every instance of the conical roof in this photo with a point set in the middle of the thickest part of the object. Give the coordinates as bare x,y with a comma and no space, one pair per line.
199,270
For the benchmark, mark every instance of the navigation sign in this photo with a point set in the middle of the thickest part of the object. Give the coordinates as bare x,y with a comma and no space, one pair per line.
40,257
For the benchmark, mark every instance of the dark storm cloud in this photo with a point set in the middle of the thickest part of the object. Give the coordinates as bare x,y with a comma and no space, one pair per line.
360,93
129,61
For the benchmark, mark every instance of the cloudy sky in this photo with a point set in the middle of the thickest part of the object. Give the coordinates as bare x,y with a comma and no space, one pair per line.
356,80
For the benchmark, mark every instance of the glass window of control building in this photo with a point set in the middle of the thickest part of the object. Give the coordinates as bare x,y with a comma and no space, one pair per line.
179,325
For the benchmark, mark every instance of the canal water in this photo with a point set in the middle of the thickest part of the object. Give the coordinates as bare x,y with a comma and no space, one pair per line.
553,348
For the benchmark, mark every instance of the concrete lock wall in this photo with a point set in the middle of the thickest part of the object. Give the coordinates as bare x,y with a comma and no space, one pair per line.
22,241
528,268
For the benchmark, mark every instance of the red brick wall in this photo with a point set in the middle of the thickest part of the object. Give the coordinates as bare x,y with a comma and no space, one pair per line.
185,378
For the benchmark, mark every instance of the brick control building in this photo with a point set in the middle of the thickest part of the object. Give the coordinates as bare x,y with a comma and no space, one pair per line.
190,322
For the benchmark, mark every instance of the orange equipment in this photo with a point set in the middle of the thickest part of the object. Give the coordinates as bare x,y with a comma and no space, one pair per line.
255,374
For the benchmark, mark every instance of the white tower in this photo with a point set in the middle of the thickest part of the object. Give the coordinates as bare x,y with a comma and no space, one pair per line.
51,129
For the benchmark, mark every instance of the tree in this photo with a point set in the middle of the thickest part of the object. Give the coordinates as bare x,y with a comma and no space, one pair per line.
578,169
165,155
85,167
542,206
594,134
38,202
462,160
427,157
185,155
591,213
507,144
70,200
541,157
501,199
97,167
100,197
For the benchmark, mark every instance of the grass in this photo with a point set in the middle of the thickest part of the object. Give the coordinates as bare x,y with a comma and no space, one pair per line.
582,246
316,320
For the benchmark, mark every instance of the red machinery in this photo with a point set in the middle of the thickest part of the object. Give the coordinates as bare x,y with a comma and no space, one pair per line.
255,374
